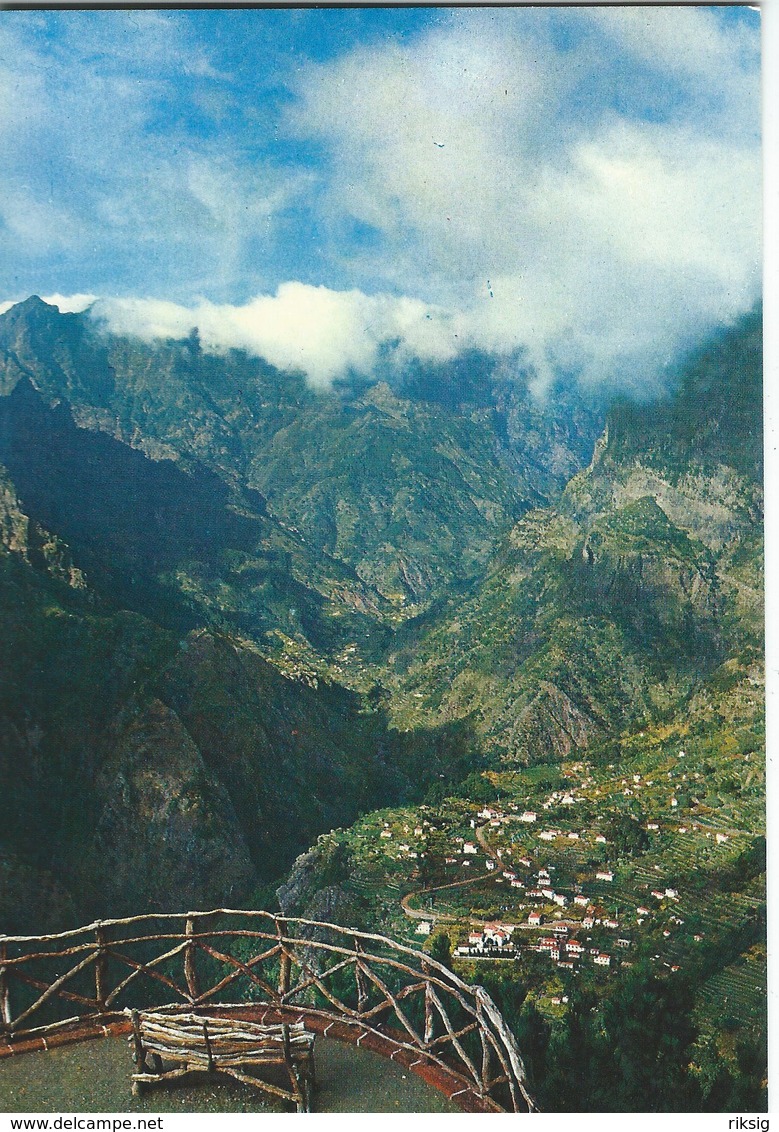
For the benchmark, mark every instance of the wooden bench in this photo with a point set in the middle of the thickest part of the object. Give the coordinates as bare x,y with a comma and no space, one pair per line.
170,1047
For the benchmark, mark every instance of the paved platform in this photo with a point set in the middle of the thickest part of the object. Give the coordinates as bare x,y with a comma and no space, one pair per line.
95,1077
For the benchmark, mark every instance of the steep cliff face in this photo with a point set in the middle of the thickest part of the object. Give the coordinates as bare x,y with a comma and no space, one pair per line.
141,767
295,759
30,895
166,830
179,545
610,605
315,890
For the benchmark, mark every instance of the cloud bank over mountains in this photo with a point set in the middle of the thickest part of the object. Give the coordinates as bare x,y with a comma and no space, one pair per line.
325,333
325,187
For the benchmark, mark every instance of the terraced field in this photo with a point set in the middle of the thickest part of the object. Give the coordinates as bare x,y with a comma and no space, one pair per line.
737,992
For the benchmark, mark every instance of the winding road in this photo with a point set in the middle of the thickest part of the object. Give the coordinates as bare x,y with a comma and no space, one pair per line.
447,917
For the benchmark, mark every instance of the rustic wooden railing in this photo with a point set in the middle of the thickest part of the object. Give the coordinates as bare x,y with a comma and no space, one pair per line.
351,985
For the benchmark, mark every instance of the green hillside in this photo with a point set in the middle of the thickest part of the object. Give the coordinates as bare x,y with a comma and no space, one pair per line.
639,559
611,663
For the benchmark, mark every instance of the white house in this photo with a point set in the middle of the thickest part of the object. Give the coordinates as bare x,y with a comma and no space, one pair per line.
602,959
604,874
499,925
470,848
529,816
498,933
423,927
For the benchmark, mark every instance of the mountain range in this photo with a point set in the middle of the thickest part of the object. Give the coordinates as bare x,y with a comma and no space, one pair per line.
239,613
177,525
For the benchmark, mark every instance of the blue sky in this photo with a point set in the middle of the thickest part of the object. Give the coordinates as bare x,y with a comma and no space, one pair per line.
321,186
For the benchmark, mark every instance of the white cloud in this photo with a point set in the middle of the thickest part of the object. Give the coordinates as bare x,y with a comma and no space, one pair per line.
691,42
610,238
600,167
70,304
322,332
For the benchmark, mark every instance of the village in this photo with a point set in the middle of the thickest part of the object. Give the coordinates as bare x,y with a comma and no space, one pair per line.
580,865
500,940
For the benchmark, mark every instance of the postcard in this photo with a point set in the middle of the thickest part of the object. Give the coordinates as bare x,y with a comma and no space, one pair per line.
382,640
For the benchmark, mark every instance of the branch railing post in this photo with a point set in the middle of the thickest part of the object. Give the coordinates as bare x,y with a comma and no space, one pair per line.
359,978
5,993
101,969
485,1046
428,1005
190,971
285,966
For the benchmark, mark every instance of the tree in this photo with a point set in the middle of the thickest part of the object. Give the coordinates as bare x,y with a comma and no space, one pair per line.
648,1033
627,835
431,862
441,949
